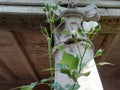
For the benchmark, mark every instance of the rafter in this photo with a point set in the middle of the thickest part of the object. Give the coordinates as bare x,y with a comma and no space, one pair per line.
109,44
107,4
7,74
25,60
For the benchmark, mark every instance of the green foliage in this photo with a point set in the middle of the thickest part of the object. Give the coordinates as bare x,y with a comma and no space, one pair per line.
46,80
80,31
70,87
99,53
59,47
57,86
76,87
84,74
32,85
71,65
26,88
65,32
69,60
104,63
62,20
49,69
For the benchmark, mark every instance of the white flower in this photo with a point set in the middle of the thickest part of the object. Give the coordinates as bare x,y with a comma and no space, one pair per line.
73,32
87,26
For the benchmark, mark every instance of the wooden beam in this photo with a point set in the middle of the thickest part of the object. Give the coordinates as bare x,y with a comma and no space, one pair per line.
108,24
34,10
7,74
106,4
25,60
109,44
13,57
25,2
99,3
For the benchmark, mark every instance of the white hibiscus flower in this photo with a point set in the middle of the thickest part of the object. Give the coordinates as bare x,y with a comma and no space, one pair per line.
87,26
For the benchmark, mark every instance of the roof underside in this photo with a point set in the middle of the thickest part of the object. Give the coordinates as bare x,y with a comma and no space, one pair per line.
23,47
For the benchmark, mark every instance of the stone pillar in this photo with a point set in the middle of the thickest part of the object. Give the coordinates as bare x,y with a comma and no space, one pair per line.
74,18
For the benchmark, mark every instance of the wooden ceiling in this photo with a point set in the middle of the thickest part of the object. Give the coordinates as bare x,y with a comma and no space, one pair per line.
23,50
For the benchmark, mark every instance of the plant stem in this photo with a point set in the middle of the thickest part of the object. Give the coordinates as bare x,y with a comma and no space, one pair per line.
79,53
73,85
50,62
50,55
82,59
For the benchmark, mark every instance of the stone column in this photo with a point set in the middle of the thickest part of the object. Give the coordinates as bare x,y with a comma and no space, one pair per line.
74,18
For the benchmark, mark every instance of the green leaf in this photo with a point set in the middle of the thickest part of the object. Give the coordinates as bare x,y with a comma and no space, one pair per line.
57,86
27,87
104,63
47,6
66,71
99,53
69,60
74,87
74,37
83,65
44,30
46,80
55,7
49,69
49,41
44,9
98,27
80,31
60,47
68,86
77,86
62,20
65,32
59,66
84,74
32,85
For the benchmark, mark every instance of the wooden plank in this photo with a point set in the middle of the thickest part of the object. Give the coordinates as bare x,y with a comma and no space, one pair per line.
32,23
109,44
108,4
12,56
21,10
25,60
110,25
25,2
99,3
35,47
34,10
7,74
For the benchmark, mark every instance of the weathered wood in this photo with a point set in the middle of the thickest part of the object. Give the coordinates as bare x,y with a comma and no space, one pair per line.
100,3
12,56
110,76
34,47
21,10
25,2
109,44
25,61
7,74
34,10
32,23
110,25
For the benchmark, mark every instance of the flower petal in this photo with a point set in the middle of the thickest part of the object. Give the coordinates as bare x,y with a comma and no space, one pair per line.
87,26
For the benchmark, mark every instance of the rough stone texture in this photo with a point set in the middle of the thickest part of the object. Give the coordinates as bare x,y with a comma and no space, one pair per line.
73,20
